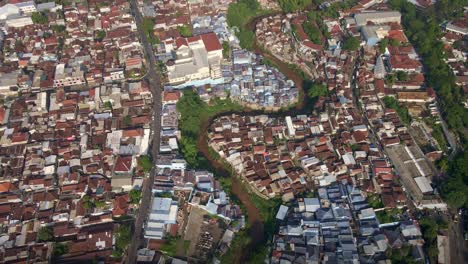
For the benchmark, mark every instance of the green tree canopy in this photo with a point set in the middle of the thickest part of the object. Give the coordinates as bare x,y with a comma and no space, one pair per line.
402,76
123,236
316,90
312,31
383,45
239,13
39,18
391,102
135,196
145,162
289,6
100,35
46,233
147,25
184,31
60,249
351,43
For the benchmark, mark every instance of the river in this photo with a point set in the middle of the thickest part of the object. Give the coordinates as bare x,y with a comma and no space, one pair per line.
256,230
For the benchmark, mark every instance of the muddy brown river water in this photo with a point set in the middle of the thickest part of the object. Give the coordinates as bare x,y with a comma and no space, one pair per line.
256,230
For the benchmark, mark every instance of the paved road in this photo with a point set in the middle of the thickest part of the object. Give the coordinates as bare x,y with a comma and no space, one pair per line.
155,84
457,243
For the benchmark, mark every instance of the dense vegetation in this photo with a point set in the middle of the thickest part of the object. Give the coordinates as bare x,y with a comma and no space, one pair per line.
184,31
332,11
289,6
45,234
391,102
351,43
145,163
147,25
422,28
268,210
315,90
60,249
194,112
39,18
135,196
123,238
401,255
312,31
239,14
429,229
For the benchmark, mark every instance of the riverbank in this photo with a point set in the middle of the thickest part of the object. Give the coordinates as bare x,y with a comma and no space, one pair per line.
250,245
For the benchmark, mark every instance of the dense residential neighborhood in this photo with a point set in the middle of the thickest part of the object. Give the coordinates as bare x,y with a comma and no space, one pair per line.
233,131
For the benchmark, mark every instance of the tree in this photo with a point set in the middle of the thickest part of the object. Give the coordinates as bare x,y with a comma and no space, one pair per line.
108,104
184,31
100,35
39,18
312,31
391,102
46,233
390,79
122,239
190,150
147,26
289,6
100,204
246,39
135,196
226,50
383,45
394,43
58,28
127,120
402,76
60,249
422,28
88,202
351,43
316,90
145,163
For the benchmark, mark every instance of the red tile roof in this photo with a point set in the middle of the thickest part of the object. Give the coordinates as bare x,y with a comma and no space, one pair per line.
211,42
123,164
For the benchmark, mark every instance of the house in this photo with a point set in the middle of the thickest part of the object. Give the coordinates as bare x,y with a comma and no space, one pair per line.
379,17
414,97
65,76
311,204
25,6
8,10
459,26
197,58
163,214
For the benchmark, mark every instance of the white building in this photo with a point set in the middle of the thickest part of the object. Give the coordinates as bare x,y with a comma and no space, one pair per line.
163,214
291,129
377,17
197,58
68,76
26,6
19,22
8,10
311,204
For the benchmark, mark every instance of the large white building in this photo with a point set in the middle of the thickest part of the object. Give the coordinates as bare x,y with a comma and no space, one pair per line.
65,76
25,6
380,17
163,214
8,10
19,22
197,58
